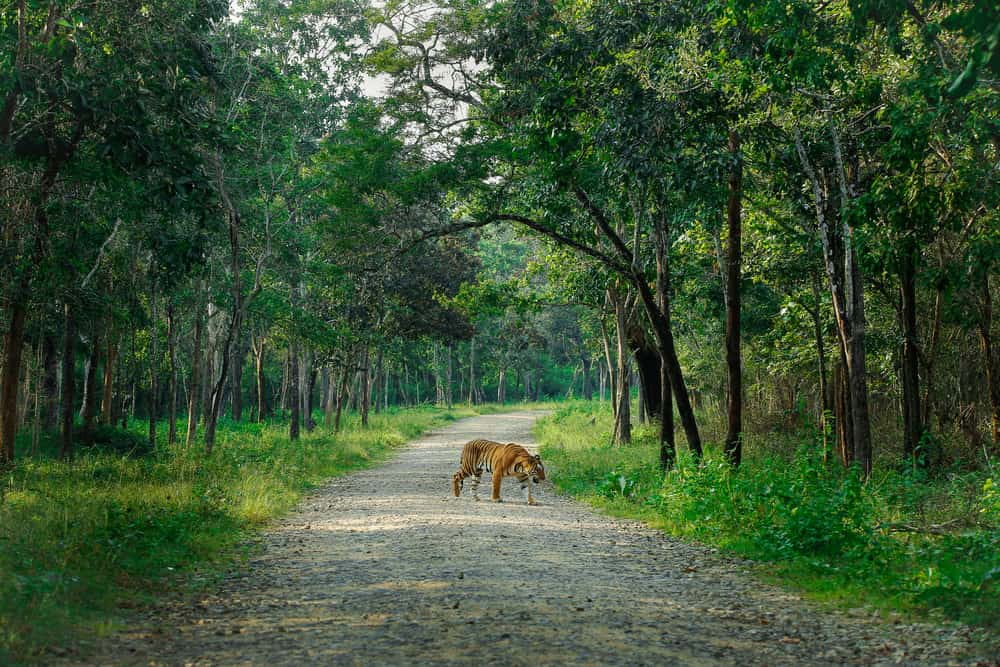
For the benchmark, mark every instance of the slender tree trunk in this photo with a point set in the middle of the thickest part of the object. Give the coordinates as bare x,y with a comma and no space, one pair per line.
51,382
310,394
912,426
154,375
623,415
262,411
12,350
236,383
821,363
381,387
588,381
472,371
734,261
172,351
36,425
991,361
668,446
193,394
88,411
293,390
930,359
448,378
365,386
341,398
108,382
610,366
502,386
68,383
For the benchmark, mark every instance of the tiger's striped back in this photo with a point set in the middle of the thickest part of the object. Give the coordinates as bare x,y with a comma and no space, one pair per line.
502,460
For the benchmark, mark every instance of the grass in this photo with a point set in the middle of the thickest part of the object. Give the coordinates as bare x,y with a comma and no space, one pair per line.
81,543
905,542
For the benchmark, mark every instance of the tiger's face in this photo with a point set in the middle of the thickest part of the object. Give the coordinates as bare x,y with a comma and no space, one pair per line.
532,465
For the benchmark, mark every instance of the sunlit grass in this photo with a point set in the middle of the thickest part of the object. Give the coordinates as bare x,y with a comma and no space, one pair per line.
814,524
80,541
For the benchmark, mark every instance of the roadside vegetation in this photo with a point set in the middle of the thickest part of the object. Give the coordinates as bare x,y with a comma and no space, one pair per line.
80,544
908,541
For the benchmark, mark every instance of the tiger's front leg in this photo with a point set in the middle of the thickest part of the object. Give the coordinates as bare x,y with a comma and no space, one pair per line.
526,487
474,486
497,481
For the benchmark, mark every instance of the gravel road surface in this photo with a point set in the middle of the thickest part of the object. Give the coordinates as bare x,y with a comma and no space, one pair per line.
385,567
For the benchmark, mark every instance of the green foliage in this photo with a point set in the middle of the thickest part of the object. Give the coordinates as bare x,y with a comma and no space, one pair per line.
79,541
903,541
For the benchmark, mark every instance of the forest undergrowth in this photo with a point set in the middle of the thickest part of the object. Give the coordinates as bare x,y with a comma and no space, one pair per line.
82,543
905,542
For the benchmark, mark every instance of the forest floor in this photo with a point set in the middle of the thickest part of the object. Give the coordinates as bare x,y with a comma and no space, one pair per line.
385,567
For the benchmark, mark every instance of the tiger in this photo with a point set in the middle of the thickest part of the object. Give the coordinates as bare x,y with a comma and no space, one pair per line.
510,460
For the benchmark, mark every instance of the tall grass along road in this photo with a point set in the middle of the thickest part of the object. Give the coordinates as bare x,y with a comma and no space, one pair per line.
385,567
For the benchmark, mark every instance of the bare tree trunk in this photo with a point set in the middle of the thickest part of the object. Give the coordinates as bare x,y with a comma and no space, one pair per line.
293,390
193,394
154,376
365,386
68,383
609,364
913,428
236,383
108,381
381,386
88,410
51,382
623,417
172,352
816,314
734,261
448,378
36,425
472,371
258,350
588,383
12,349
341,397
310,423
930,359
991,360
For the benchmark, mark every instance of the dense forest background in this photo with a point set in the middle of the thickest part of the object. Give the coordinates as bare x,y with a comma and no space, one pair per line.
750,225
279,208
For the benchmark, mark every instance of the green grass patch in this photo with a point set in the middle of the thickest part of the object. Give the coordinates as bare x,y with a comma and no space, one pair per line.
908,542
82,542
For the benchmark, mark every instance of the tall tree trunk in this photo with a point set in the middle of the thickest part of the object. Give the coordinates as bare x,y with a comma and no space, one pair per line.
172,351
293,390
448,376
262,410
848,303
930,359
623,415
345,375
824,404
734,261
991,360
609,365
51,383
842,413
88,410
154,375
108,382
236,383
912,424
310,423
381,387
365,386
68,382
196,383
502,386
588,381
668,446
12,350
472,371
36,426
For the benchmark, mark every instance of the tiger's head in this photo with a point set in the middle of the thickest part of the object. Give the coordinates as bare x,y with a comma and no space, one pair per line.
531,465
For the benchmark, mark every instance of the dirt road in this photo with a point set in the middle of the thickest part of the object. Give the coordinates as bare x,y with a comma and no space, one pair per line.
385,567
